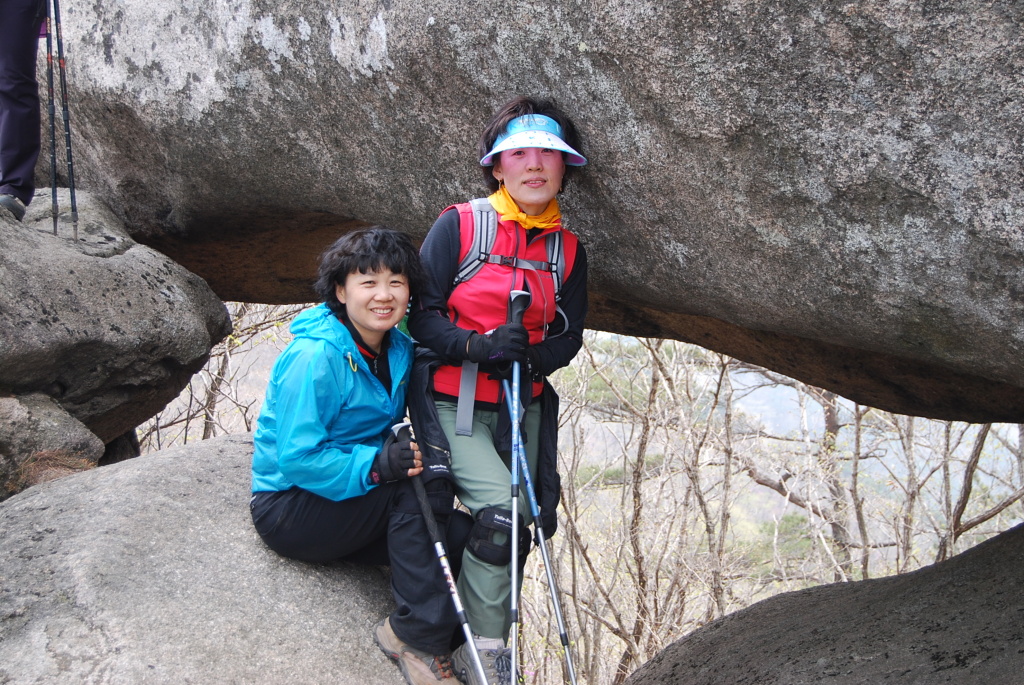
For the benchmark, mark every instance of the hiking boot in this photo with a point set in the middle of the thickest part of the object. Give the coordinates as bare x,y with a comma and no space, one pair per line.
418,667
495,657
13,205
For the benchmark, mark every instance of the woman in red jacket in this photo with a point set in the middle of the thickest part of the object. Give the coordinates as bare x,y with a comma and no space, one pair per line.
528,151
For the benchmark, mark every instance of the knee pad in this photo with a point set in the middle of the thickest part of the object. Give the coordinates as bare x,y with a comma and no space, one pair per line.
490,522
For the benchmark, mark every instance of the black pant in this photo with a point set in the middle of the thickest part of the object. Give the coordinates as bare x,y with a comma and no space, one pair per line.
19,97
384,526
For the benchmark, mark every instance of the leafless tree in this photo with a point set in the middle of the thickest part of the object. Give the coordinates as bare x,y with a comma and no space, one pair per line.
218,400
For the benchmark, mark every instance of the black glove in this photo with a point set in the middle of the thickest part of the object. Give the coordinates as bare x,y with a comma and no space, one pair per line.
505,343
393,462
529,370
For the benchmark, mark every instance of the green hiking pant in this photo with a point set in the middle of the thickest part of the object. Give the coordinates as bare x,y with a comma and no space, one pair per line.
483,479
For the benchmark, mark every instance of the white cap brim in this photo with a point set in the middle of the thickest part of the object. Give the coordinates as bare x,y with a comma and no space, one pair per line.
541,139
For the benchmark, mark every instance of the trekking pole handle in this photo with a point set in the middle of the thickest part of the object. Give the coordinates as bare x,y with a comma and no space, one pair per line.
402,431
519,301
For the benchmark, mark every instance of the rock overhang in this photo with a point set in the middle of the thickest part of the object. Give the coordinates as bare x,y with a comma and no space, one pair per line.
831,192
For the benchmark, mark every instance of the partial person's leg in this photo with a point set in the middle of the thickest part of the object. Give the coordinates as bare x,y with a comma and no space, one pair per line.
418,634
19,98
456,535
483,481
383,527
301,525
424,615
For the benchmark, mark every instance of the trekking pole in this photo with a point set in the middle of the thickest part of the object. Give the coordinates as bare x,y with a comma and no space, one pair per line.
67,118
403,431
519,300
520,464
520,457
52,111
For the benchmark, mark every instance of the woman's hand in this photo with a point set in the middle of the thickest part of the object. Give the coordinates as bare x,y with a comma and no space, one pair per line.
398,460
506,343
417,461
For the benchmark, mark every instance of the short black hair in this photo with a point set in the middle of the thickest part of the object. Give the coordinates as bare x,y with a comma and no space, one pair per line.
365,250
516,108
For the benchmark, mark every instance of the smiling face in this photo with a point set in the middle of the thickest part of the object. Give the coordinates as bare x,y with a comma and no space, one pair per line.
532,175
374,302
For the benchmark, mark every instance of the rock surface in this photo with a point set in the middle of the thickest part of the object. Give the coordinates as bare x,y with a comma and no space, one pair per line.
40,441
109,329
149,571
834,191
960,621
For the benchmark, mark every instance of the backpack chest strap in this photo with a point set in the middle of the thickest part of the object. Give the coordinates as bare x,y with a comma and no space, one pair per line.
519,262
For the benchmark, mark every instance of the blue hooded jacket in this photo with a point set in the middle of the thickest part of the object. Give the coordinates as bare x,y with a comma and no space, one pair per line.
326,416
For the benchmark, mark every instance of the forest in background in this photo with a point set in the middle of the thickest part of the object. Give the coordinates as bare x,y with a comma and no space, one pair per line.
693,485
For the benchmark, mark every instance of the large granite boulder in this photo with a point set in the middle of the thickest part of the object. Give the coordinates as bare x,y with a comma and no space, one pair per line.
96,335
834,191
150,571
39,441
955,622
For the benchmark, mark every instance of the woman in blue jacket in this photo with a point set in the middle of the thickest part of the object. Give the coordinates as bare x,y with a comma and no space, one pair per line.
327,482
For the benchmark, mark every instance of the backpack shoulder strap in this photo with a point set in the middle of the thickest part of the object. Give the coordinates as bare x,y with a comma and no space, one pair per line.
482,231
561,246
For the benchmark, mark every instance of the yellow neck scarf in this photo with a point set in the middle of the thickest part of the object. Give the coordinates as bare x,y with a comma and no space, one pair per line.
507,208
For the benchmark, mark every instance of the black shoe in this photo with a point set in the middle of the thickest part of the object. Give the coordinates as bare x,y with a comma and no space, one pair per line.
14,205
